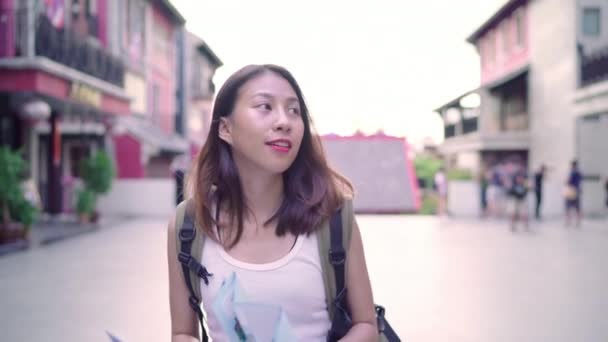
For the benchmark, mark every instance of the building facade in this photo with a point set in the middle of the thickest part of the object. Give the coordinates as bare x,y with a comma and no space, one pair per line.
532,86
199,90
591,100
145,141
60,89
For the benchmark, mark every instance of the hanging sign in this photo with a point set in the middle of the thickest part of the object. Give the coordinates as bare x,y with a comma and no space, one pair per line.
85,94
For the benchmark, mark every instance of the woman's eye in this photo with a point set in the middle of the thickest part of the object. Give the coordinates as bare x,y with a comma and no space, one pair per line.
264,106
294,111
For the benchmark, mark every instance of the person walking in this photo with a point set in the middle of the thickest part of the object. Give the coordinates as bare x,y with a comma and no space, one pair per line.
606,189
441,186
484,182
519,204
261,192
539,177
572,194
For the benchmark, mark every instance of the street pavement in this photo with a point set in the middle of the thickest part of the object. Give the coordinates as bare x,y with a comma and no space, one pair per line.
439,279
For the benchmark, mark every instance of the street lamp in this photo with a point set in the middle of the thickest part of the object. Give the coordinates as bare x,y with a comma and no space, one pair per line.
35,110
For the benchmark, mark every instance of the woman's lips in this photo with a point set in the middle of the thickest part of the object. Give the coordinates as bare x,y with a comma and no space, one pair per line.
280,145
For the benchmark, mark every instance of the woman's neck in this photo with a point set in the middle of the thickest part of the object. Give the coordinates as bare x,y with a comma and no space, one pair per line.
263,195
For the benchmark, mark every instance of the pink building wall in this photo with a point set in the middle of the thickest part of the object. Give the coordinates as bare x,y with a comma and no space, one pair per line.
161,70
351,155
102,22
7,28
492,42
128,157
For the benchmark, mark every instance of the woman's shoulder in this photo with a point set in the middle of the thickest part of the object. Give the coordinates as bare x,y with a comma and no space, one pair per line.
179,213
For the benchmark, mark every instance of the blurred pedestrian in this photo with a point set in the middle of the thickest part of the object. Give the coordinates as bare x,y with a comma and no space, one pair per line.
539,178
606,189
441,186
484,182
572,194
518,203
496,190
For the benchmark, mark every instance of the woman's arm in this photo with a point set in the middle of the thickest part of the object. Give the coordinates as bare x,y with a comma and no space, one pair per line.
184,324
359,296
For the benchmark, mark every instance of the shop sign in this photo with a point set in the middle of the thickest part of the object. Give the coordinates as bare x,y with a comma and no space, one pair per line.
85,94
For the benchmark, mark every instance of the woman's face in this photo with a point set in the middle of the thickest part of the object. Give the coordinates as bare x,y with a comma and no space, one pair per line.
266,127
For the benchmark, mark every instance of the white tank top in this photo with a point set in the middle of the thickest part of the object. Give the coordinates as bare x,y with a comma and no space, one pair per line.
293,283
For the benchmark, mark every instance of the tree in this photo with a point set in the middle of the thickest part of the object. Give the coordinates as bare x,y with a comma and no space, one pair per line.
426,168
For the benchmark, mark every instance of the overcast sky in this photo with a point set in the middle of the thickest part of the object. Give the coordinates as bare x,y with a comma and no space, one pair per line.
368,65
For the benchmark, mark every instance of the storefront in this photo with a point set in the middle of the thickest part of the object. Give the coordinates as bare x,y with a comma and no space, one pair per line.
56,121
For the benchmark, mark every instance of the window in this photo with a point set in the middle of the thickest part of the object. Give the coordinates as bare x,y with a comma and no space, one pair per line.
491,48
196,76
155,110
519,28
163,40
591,21
135,39
506,37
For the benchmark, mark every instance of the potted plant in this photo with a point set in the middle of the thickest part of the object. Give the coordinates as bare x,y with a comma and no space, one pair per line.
97,174
85,205
17,214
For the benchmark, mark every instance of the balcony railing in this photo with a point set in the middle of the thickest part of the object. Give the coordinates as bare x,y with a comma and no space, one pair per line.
594,68
63,46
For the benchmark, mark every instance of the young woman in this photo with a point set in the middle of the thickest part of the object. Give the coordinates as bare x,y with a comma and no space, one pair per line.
261,188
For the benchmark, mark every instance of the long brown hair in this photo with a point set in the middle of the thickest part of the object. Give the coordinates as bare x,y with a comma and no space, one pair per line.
312,190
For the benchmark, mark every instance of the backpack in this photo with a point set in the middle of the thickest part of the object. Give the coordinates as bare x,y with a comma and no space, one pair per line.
332,237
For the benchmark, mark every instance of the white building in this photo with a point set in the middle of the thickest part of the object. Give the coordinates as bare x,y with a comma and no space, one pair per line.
543,94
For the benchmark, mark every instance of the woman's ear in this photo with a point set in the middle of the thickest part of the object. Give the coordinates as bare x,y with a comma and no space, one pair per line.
225,130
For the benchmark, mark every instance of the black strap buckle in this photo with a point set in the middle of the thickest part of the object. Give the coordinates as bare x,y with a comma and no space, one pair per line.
337,257
184,258
203,273
187,235
194,266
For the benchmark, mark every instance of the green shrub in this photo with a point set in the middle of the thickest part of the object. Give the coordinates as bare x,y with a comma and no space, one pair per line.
13,204
85,203
97,172
428,205
426,168
460,174
23,211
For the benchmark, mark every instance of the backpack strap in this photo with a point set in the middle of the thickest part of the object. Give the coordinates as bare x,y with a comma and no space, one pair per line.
333,236
190,246
332,239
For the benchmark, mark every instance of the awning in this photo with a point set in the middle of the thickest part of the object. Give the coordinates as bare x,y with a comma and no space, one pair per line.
520,72
153,136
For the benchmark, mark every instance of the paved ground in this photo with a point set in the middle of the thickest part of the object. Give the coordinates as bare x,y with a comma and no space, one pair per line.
440,281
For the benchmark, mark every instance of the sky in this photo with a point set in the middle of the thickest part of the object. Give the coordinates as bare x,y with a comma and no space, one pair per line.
362,65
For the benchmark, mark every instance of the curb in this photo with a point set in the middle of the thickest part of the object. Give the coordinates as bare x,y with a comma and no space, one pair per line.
24,245
13,247
65,236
